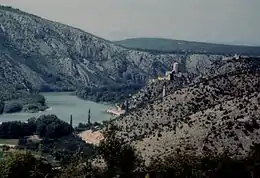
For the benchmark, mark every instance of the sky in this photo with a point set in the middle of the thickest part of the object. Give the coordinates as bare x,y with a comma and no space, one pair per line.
219,21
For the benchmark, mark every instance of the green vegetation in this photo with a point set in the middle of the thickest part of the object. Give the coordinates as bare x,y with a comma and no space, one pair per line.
12,107
47,136
45,126
107,94
16,101
157,45
119,159
50,127
22,164
122,160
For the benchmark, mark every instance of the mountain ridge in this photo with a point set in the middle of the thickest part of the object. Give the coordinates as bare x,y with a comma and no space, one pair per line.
173,45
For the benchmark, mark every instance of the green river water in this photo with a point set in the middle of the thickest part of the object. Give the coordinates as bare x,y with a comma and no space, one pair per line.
63,104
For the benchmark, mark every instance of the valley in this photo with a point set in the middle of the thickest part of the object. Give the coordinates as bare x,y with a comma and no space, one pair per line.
186,109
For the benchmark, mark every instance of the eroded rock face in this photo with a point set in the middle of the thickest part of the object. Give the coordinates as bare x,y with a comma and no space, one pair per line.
217,113
53,56
64,57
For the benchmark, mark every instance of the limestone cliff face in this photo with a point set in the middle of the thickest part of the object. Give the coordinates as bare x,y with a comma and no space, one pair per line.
56,56
50,55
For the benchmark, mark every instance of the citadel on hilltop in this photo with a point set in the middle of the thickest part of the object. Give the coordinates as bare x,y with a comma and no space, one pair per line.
169,75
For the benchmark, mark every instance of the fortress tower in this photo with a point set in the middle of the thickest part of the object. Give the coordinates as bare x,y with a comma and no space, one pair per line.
175,67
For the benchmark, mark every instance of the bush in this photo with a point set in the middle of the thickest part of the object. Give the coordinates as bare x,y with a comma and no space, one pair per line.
13,107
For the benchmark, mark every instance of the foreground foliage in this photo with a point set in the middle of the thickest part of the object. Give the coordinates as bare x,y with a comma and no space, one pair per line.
22,164
45,126
122,161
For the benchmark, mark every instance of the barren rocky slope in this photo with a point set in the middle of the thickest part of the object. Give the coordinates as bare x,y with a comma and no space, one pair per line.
219,112
63,57
53,56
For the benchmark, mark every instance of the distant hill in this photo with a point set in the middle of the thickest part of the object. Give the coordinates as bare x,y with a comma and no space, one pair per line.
171,46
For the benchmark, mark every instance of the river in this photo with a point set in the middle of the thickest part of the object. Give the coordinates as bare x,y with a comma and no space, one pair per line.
63,104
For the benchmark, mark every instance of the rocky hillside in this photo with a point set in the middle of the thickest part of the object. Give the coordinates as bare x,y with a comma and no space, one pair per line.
53,56
153,90
196,65
16,92
219,112
61,57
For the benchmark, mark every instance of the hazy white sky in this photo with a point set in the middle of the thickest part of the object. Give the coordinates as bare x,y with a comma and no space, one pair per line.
223,21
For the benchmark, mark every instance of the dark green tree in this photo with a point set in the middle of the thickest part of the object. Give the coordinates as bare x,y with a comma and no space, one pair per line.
89,122
2,105
71,120
121,159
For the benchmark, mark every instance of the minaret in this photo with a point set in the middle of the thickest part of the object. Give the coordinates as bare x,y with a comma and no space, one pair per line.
164,90
89,116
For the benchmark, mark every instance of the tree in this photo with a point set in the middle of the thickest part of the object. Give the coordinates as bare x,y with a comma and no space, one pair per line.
89,122
22,164
71,120
80,168
51,126
2,105
121,159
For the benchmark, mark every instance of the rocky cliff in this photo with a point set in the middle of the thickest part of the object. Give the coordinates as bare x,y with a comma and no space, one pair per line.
54,56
